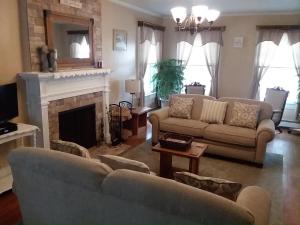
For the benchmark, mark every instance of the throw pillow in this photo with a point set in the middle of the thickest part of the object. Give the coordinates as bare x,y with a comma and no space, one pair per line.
213,111
117,162
70,147
224,188
181,107
244,115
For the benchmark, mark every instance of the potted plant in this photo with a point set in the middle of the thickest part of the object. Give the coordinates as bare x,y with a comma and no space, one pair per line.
169,79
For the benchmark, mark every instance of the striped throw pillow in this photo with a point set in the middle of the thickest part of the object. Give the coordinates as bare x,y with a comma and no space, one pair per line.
213,111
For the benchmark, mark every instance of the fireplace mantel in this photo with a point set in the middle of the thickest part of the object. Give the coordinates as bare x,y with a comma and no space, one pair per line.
41,88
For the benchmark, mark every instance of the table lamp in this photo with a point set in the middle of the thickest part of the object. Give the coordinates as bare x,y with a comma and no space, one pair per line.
132,87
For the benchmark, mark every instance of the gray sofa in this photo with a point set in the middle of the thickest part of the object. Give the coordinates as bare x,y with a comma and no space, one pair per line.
59,188
222,139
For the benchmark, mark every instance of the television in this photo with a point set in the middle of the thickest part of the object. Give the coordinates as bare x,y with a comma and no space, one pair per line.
8,102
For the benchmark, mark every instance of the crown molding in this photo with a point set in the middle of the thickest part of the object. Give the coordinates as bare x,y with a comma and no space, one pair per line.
282,13
136,8
263,13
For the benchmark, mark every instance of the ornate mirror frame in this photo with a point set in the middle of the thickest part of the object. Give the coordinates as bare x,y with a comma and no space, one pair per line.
52,17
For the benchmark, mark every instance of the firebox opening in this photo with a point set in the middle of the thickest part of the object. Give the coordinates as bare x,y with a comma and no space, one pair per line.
78,125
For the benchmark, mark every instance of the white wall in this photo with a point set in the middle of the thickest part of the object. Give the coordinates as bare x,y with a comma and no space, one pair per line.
123,63
236,67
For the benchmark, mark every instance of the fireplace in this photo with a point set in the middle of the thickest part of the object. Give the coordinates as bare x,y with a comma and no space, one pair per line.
48,94
78,125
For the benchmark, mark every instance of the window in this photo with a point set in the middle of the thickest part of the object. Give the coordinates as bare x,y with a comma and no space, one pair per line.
196,68
150,70
282,72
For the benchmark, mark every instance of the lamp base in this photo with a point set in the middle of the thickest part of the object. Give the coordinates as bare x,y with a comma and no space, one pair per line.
132,94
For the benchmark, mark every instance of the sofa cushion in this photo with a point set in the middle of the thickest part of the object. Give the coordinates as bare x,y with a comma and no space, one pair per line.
213,111
224,188
183,126
231,134
197,105
265,108
181,107
244,115
117,162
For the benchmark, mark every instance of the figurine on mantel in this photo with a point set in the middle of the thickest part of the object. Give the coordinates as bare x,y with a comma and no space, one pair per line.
48,59
43,54
52,57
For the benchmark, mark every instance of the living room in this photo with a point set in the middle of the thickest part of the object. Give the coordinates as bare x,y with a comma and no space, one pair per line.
101,81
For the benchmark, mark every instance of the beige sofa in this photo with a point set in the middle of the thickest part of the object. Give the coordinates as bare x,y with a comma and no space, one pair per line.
59,188
222,139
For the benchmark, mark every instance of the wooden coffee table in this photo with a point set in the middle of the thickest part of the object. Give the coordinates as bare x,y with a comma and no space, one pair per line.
193,154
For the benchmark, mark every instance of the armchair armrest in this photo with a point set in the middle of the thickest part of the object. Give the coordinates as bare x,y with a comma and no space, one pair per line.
155,118
265,132
257,201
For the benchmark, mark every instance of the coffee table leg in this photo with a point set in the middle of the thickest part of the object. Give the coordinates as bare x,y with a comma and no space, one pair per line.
166,165
194,166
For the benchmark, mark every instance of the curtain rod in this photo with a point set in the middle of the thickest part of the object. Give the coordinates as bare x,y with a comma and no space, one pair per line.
218,28
280,27
151,25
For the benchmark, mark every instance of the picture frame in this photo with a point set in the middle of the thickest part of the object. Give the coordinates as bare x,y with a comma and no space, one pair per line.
119,40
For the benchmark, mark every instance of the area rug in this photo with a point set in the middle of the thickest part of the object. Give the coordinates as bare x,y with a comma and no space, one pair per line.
268,177
108,150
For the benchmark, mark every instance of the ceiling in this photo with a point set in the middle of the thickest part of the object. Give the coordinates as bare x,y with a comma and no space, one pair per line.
162,7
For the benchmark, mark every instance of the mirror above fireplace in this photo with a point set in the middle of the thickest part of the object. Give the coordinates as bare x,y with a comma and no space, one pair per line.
72,36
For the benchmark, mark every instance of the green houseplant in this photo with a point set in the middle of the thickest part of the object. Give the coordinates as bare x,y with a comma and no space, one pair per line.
169,78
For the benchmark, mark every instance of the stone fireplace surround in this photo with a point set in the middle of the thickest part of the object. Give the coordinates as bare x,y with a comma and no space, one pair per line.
47,94
61,105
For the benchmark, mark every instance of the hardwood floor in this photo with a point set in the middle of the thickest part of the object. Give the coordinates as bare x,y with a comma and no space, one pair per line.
9,209
285,144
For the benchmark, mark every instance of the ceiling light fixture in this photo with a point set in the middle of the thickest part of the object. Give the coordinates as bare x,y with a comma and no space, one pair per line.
198,15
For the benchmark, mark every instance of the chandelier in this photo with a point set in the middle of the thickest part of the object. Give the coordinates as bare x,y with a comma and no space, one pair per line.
192,22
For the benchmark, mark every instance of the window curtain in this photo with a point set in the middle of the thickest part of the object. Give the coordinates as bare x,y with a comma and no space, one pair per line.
146,37
294,40
185,43
212,41
184,51
264,56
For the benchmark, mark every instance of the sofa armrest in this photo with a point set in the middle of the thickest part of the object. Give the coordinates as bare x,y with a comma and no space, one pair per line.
155,118
257,201
265,133
267,126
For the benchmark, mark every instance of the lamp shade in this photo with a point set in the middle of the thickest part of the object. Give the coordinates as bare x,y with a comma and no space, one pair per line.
132,86
212,15
179,14
200,11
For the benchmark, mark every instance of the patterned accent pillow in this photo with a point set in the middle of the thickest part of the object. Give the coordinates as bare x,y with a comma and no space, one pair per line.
224,188
70,147
117,162
181,107
244,115
213,111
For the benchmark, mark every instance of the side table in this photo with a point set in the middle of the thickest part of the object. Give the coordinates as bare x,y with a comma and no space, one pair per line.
139,118
23,131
